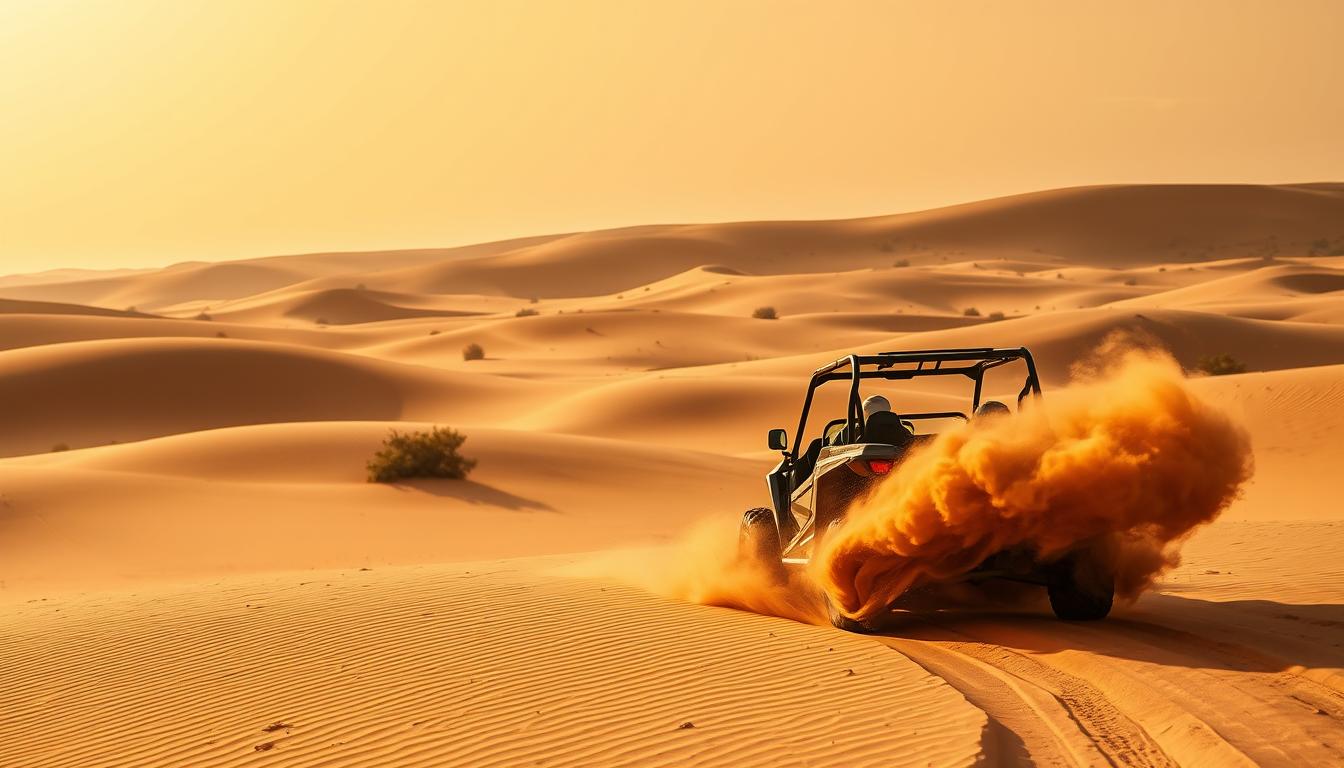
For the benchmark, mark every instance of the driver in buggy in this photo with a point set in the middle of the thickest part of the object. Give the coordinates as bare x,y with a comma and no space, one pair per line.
881,425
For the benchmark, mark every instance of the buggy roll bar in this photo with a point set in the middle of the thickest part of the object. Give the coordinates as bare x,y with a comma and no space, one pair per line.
927,362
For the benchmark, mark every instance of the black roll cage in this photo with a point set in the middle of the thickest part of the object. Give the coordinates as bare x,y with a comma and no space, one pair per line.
928,362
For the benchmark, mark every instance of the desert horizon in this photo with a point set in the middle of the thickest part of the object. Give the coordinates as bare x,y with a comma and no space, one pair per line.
196,568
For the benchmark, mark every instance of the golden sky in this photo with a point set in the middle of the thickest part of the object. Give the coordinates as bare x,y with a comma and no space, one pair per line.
135,132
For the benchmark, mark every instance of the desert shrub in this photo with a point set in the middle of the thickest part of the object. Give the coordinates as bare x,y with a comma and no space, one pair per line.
57,448
995,315
971,312
1131,281
204,316
902,263
765,313
526,312
473,351
435,332
435,453
1221,365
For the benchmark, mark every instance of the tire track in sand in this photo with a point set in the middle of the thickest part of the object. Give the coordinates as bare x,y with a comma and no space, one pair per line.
1142,688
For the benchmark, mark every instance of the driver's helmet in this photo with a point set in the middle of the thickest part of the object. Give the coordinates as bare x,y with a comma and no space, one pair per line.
874,404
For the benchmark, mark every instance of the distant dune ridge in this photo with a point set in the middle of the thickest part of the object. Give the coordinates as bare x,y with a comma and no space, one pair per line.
185,522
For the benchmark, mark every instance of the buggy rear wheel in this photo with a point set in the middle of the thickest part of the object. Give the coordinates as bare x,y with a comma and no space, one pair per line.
1081,587
838,619
841,621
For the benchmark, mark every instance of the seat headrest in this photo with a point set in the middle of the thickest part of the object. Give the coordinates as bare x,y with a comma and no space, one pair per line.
886,427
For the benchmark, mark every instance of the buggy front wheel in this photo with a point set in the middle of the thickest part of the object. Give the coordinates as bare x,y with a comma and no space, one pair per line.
758,540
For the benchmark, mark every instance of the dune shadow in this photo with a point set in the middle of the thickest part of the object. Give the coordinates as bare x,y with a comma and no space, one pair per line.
1168,630
473,492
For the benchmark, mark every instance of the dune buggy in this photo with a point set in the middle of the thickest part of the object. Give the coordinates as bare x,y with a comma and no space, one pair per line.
813,485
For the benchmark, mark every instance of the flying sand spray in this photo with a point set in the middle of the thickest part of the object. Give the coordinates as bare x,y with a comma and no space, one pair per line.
1127,453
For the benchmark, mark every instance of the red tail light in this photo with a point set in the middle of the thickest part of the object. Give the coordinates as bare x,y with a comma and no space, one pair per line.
880,466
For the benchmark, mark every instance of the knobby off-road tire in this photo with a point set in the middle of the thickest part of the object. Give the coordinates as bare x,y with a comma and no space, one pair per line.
758,540
838,619
1081,587
841,621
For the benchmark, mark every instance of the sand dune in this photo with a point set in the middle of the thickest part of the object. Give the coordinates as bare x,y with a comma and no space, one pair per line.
342,306
451,663
294,497
212,514
94,393
1112,226
19,307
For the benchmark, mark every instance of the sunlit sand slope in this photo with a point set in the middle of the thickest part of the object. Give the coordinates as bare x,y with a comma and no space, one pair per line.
483,664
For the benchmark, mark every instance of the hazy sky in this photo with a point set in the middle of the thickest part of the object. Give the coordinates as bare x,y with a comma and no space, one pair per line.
137,133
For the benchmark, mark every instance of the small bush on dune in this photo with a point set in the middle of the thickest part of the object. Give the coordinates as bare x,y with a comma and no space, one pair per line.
765,313
971,312
526,312
435,453
995,315
1131,281
902,263
473,351
204,316
1221,365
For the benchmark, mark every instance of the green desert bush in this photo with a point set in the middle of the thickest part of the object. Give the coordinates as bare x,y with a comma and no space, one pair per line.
1221,365
436,453
765,313
995,315
204,316
971,312
901,263
473,351
526,312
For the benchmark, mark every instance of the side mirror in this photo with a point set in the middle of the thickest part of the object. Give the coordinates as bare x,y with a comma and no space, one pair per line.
779,440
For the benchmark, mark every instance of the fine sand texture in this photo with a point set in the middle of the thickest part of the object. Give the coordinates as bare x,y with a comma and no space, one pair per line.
195,571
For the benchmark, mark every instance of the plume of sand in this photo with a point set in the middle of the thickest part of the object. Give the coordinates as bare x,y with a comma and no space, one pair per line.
1129,455
704,565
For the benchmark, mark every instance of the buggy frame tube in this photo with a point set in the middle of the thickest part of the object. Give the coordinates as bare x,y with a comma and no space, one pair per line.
983,358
